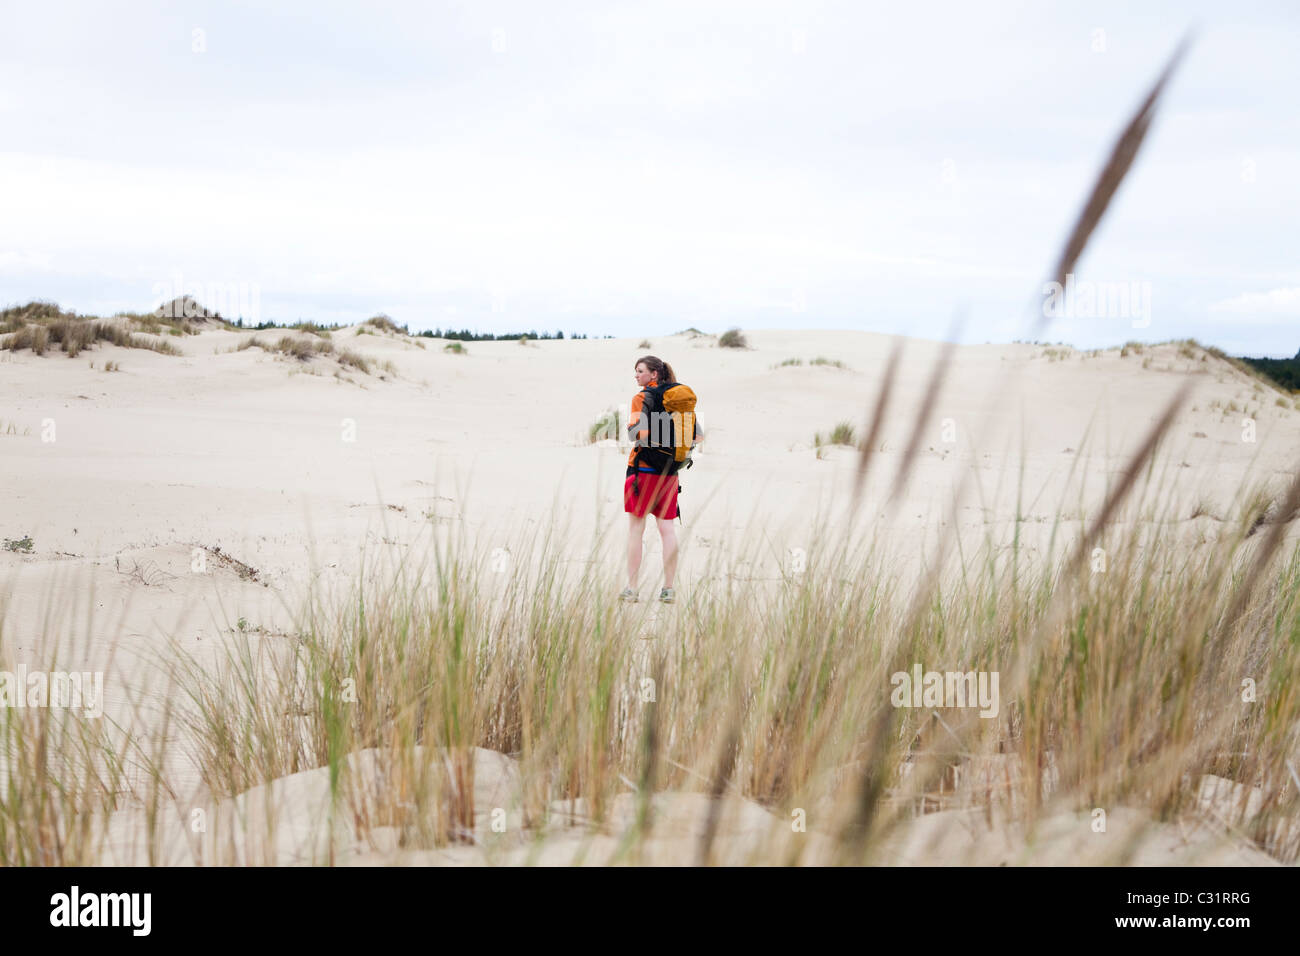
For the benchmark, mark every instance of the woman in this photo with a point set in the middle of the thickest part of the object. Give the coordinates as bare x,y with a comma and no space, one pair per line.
645,490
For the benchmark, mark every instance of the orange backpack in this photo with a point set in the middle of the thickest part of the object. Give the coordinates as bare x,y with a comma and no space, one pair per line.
668,411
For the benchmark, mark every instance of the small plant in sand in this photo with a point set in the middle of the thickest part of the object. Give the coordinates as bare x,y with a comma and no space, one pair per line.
304,349
354,359
604,427
156,323
841,434
314,328
833,363
789,362
21,545
455,348
300,348
732,339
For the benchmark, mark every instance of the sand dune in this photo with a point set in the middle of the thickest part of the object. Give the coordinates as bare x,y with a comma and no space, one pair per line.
185,498
246,452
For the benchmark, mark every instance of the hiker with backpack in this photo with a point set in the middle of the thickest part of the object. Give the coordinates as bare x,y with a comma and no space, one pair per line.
663,430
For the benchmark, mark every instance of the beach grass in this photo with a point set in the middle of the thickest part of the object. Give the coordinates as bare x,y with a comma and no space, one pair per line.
40,326
1122,683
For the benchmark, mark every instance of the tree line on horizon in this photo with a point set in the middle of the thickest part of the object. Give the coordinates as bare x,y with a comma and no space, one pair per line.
464,335
1286,372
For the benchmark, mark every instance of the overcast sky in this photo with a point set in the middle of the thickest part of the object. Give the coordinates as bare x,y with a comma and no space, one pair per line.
634,169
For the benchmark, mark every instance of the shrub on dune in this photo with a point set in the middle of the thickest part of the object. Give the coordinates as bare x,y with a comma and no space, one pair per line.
732,339
303,349
385,324
34,337
39,325
355,360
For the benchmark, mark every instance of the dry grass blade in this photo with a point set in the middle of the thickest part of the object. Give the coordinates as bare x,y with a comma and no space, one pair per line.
650,734
1112,174
877,422
1262,557
721,777
854,836
927,774
932,389
870,787
1108,180
1117,496
1139,461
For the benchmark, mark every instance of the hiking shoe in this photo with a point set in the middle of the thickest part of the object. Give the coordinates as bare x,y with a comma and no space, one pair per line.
668,595
629,596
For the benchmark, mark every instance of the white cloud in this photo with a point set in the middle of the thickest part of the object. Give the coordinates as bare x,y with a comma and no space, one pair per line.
1283,302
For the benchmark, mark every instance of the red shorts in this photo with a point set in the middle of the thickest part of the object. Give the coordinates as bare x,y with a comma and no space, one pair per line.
658,495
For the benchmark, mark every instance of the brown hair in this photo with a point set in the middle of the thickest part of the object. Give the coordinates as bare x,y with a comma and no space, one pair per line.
661,369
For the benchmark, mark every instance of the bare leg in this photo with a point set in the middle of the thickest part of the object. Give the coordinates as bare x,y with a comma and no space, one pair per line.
668,536
635,531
